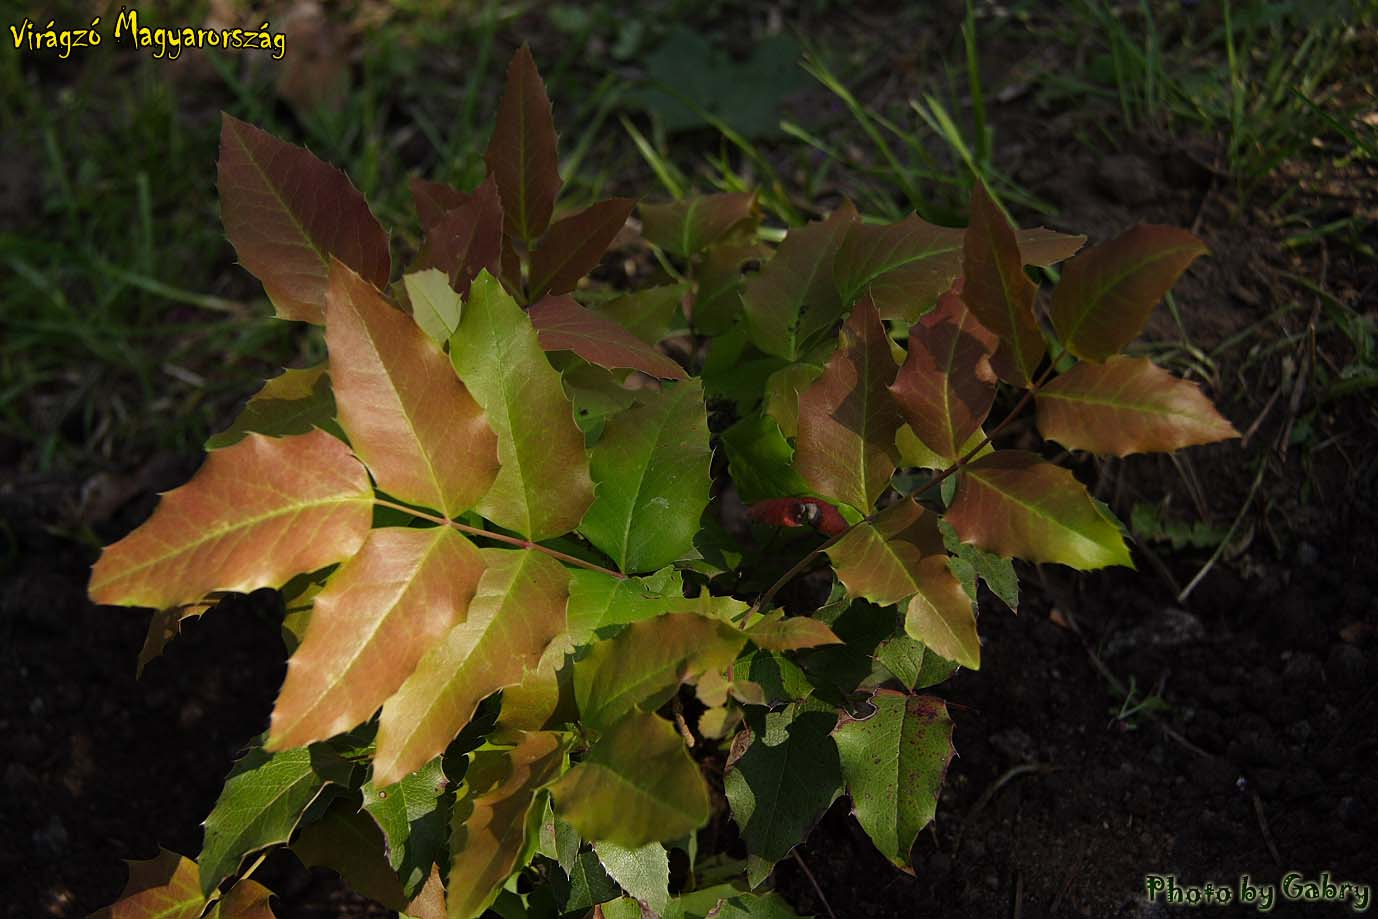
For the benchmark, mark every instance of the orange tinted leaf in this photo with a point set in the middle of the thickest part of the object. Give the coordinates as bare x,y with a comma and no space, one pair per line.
941,614
287,213
1107,292
1013,503
880,560
848,418
378,614
165,886
946,386
574,246
255,514
692,225
792,634
998,292
563,325
1127,405
904,266
466,239
1045,248
521,156
423,436
247,899
518,609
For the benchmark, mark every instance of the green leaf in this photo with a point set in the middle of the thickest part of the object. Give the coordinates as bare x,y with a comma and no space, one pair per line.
1127,405
287,214
969,562
782,775
262,802
688,227
522,155
760,460
782,395
347,842
718,285
292,403
589,884
434,304
998,292
163,887
941,615
1012,503
1107,292
648,314
894,762
543,485
494,819
574,246
651,469
910,662
902,266
598,601
414,818
636,785
558,840
642,666
848,418
643,872
518,610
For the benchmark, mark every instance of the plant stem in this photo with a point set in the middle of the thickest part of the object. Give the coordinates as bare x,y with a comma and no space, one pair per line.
498,537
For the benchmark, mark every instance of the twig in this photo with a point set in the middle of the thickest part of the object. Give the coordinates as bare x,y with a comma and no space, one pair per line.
814,881
1267,833
1229,534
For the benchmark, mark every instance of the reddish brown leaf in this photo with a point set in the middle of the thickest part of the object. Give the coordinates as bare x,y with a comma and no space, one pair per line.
904,266
165,886
692,225
1107,292
378,614
847,417
563,325
466,239
433,200
255,514
408,416
1044,247
880,560
522,156
946,387
1127,405
572,247
287,213
998,292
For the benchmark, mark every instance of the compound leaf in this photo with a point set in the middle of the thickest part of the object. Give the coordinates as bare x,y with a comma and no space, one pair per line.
574,245
293,402
521,156
998,292
688,227
563,325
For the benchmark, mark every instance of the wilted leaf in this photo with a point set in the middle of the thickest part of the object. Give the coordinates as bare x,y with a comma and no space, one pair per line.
287,213
636,785
466,239
414,424
378,614
848,418
292,403
946,386
1107,292
998,292
347,842
688,227
493,821
563,325
518,609
522,155
543,485
894,762
261,804
1013,503
414,821
794,296
238,524
651,470
163,886
434,304
574,246
1127,405
642,872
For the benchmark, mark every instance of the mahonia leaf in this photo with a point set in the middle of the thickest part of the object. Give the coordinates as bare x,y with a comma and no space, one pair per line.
643,665
998,292
518,609
378,614
166,625
422,435
414,821
563,325
1013,503
254,514
287,214
292,403
245,900
914,452
574,245
434,303
651,470
648,314
725,901
491,827
1044,247
531,703
761,461
941,613
521,156
543,485
637,785
643,872
968,563
782,395
429,902
262,802
164,886
467,239
597,600
894,761
879,560
1127,405
781,776
347,842
775,633
688,227
794,296
589,885
718,285
1107,292
946,386
848,418
433,200
902,266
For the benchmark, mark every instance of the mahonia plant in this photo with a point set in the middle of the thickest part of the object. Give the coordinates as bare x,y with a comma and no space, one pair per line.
530,577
